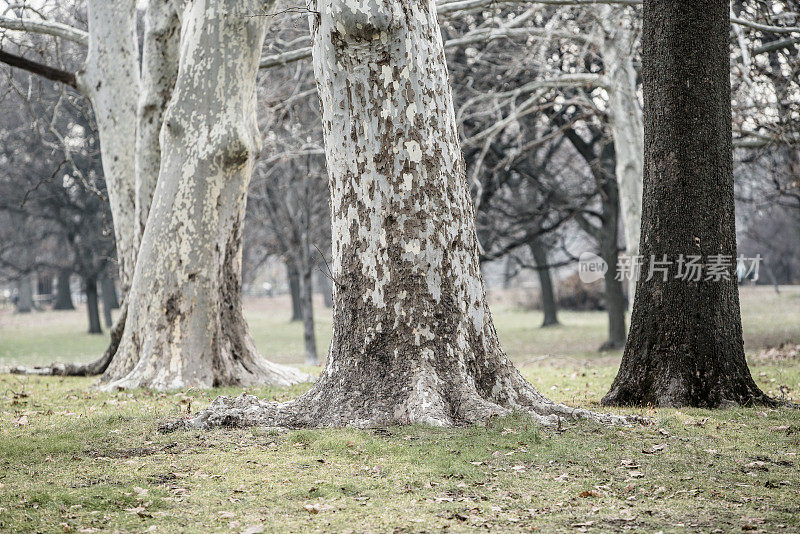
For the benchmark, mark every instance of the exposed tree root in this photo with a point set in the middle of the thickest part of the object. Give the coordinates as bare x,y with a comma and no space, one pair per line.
93,368
423,400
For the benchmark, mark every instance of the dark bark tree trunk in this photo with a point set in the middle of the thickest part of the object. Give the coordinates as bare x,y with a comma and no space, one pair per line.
549,307
293,277
307,300
109,289
90,284
108,295
685,343
24,294
608,237
413,338
63,292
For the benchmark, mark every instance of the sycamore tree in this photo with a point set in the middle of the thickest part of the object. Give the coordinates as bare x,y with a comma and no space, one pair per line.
157,343
413,338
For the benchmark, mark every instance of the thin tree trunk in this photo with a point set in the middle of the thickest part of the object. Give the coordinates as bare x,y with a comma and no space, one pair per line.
326,288
92,309
109,289
108,295
185,325
625,115
24,294
685,343
413,339
63,291
549,307
294,290
307,299
608,237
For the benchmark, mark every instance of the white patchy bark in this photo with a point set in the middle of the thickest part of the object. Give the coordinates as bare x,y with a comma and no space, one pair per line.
162,32
413,338
625,113
185,325
110,79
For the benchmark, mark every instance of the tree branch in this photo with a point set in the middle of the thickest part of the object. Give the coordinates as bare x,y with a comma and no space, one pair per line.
44,27
56,75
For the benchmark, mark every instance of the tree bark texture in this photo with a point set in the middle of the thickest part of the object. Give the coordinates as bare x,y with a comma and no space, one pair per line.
184,323
413,339
685,343
549,307
63,291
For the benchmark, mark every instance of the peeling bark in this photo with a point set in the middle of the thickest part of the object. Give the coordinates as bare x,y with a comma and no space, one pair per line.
159,69
413,339
185,325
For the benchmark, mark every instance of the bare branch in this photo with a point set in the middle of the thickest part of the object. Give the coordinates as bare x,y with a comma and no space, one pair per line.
45,27
56,75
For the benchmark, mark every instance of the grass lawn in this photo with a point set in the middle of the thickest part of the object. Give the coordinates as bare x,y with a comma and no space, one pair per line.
75,459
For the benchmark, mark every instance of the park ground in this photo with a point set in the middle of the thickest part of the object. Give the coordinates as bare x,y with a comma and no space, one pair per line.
76,459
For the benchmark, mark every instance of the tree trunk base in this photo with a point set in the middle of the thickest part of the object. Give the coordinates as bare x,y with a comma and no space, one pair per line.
340,399
680,388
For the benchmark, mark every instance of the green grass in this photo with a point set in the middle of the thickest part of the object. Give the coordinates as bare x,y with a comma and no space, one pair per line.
74,459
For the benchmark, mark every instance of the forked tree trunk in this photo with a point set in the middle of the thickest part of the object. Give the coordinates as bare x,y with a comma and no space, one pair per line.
618,50
549,307
110,79
24,294
413,339
185,325
92,309
685,343
63,292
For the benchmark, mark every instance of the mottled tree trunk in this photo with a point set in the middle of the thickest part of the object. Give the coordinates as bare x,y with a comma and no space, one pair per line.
24,294
549,307
160,49
63,291
293,277
625,117
685,343
413,339
184,321
92,309
110,79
